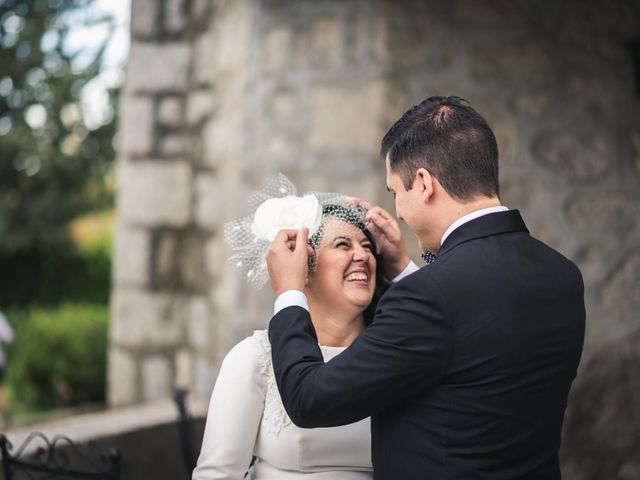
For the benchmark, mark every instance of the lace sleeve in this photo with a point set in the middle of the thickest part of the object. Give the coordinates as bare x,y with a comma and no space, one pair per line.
274,417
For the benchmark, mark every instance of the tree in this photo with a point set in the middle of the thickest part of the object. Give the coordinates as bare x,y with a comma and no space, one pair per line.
54,164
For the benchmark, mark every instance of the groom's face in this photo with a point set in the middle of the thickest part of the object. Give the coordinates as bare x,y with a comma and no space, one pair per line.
408,204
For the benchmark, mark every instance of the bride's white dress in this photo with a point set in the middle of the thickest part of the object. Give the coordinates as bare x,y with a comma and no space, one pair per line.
246,417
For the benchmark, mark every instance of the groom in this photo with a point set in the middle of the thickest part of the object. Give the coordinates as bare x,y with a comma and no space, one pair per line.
466,368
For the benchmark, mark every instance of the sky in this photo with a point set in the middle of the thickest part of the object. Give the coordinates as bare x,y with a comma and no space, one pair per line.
88,39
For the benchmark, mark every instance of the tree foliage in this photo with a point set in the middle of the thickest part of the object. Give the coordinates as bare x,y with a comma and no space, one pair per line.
53,164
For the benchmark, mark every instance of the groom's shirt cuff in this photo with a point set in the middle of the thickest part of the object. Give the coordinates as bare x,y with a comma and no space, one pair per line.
290,298
409,269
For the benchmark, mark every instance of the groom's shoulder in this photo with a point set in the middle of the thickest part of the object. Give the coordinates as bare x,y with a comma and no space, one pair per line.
424,279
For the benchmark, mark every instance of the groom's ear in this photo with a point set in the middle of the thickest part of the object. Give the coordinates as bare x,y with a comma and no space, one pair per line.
424,182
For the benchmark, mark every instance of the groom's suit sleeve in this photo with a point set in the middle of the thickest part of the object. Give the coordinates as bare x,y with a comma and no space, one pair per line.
406,350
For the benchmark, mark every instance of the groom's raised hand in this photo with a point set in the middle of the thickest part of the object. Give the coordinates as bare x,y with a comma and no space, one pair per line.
287,260
389,242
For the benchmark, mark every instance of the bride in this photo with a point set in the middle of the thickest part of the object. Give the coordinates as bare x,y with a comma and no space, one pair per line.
246,417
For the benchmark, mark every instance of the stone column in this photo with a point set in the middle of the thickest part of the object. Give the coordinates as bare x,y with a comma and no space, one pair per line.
161,312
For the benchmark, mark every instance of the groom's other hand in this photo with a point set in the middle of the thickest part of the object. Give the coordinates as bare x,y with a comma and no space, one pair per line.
389,242
287,260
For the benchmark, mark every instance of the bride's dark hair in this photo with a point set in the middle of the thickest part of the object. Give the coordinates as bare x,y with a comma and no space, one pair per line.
353,215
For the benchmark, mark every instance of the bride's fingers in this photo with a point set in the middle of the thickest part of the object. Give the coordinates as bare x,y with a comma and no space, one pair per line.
285,238
301,240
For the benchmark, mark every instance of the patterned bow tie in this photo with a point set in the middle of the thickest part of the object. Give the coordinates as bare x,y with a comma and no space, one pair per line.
428,257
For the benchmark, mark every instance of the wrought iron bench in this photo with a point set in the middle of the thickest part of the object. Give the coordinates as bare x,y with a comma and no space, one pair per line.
53,459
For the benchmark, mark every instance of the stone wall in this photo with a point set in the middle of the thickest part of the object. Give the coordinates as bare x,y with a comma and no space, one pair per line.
222,94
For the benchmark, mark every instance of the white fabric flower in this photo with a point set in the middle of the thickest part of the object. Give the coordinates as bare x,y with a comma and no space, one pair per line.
290,213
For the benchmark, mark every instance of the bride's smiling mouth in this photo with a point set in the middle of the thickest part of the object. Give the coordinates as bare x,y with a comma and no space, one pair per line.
358,276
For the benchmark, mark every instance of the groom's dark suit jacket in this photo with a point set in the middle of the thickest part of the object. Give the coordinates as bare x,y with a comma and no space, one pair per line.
466,367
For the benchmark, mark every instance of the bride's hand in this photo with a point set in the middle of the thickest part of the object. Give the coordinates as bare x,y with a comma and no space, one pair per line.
287,260
389,242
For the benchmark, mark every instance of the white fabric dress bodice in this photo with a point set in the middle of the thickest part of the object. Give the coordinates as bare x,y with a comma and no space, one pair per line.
246,417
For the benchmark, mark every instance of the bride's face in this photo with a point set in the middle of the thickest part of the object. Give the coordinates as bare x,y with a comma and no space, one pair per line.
345,266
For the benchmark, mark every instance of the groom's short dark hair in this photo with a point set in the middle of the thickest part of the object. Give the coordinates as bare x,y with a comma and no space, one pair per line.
449,139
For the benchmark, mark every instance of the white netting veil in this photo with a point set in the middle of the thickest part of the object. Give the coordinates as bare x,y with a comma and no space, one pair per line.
278,206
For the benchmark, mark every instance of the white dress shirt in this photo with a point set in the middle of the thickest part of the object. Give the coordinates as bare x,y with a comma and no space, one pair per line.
298,298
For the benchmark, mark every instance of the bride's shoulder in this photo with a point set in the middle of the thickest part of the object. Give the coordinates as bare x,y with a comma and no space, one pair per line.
252,350
260,339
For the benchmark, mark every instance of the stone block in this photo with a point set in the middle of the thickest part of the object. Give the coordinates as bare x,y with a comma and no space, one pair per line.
200,324
122,378
521,62
165,260
132,256
184,369
217,254
591,260
156,378
523,194
358,39
146,320
155,193
200,9
407,42
177,261
204,377
175,18
379,45
609,212
281,145
157,67
234,20
144,14
283,104
170,111
173,145
635,142
209,207
326,45
300,56
223,138
489,13
277,49
193,269
204,68
621,295
200,106
533,104
507,138
479,13
346,119
600,435
136,125
582,157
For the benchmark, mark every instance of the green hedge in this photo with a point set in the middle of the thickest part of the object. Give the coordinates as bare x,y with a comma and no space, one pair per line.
59,354
46,274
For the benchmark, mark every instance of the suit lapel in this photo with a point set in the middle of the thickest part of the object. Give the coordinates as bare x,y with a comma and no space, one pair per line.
485,226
